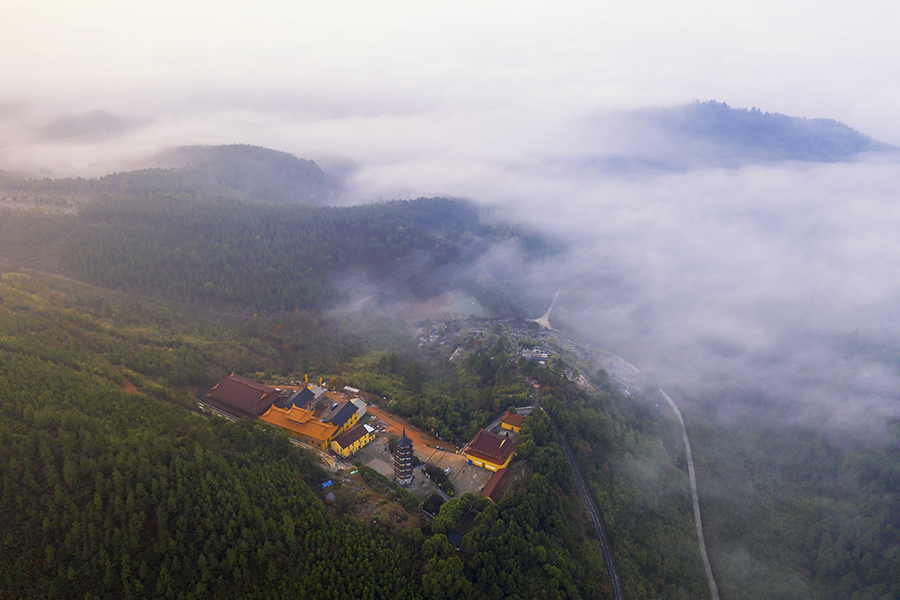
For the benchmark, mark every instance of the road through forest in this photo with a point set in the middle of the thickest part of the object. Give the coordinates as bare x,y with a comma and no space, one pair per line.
595,517
713,588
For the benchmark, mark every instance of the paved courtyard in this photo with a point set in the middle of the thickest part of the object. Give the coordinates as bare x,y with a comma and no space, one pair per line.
465,477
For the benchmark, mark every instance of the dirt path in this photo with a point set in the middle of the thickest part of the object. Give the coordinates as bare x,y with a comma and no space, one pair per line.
397,424
127,386
544,321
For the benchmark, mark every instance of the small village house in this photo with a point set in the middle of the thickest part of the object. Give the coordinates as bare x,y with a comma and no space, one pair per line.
512,422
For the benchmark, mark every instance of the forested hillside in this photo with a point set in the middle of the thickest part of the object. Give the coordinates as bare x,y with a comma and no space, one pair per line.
819,514
253,255
236,172
788,512
633,461
106,492
235,227
536,542
135,494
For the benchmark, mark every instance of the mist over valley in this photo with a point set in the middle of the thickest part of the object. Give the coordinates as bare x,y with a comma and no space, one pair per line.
652,249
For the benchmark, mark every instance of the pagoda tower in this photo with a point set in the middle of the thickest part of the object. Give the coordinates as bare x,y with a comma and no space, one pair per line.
403,460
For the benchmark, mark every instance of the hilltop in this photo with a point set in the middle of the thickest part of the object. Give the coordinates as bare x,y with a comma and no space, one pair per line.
233,172
244,172
771,136
714,134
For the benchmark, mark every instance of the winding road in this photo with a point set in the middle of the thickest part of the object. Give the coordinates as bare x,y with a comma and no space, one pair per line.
579,481
713,588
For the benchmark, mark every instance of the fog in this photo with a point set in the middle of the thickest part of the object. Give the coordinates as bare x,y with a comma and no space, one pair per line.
715,272
776,279
770,281
768,284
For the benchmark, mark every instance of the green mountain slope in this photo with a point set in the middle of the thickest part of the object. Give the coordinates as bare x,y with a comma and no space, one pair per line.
236,172
109,493
253,255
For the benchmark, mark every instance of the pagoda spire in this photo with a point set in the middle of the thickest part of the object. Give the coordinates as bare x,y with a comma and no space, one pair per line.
403,460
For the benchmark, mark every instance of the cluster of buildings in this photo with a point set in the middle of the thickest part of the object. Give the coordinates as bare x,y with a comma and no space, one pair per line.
539,355
323,418
330,420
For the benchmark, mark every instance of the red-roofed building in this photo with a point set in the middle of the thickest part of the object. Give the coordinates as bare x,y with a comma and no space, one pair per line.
497,486
512,421
490,451
242,397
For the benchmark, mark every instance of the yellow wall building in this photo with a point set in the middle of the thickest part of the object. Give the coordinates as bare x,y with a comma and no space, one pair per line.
354,439
490,451
301,424
339,416
512,422
342,413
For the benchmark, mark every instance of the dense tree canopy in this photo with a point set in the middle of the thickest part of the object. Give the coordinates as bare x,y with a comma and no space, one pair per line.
105,492
261,256
234,172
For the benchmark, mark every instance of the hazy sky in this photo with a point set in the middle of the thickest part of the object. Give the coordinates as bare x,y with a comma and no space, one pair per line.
379,81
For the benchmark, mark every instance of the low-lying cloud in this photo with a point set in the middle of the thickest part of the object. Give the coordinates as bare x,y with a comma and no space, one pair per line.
769,279
93,126
725,278
777,279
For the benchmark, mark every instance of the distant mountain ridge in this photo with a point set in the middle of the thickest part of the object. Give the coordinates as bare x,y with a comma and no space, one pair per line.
233,172
250,172
767,135
713,134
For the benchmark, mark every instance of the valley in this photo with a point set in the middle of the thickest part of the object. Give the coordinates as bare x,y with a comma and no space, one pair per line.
117,317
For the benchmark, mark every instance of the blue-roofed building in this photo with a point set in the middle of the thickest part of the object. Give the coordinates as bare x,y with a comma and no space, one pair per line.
343,416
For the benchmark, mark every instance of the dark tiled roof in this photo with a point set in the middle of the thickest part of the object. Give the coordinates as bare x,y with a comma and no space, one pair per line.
496,487
404,442
340,415
351,436
230,408
284,402
303,398
455,538
242,396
